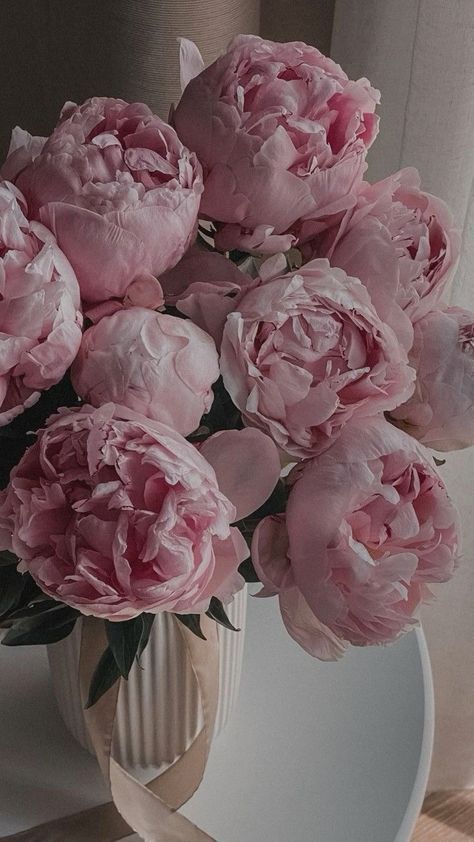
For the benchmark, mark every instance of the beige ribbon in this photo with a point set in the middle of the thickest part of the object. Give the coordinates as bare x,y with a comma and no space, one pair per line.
151,810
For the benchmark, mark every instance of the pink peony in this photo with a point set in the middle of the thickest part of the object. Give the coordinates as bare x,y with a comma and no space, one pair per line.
306,353
369,526
282,135
401,243
115,514
206,287
120,192
155,364
440,412
40,318
23,150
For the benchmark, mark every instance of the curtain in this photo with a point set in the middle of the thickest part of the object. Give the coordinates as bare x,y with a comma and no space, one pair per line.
55,50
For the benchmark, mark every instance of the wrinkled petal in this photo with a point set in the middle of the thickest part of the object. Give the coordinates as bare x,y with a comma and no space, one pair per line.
116,515
306,352
305,628
155,364
282,134
440,412
370,527
118,188
40,317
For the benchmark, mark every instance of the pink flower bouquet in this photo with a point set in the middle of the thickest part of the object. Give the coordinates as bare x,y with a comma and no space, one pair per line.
224,355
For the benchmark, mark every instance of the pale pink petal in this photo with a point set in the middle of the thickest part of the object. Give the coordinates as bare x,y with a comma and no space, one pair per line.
300,622
191,62
247,467
270,556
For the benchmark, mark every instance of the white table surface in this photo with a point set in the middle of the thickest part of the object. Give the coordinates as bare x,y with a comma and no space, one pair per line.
315,752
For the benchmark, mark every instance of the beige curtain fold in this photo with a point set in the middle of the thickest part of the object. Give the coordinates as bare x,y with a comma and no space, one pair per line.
298,20
55,50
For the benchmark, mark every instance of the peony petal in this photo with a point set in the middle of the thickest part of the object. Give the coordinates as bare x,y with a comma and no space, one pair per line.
106,258
304,627
191,62
247,466
270,556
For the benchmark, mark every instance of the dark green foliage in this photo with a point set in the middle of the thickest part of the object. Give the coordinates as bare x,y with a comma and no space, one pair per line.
216,611
46,627
17,590
128,639
192,622
7,558
248,572
105,675
223,414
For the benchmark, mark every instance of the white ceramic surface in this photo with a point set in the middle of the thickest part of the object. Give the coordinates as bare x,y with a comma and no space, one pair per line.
158,712
313,753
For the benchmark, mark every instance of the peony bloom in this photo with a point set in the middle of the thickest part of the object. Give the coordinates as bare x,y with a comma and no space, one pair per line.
40,318
23,150
115,514
306,353
369,526
440,412
282,135
159,365
206,287
401,243
120,192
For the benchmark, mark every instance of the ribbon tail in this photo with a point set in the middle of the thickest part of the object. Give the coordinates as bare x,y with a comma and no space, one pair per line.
151,810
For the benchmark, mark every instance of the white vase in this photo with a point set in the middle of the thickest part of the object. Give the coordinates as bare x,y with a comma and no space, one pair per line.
158,711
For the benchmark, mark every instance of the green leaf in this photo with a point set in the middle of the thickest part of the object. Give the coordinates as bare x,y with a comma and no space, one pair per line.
16,590
34,607
11,587
247,570
216,611
147,620
105,675
192,622
48,627
124,641
238,256
7,558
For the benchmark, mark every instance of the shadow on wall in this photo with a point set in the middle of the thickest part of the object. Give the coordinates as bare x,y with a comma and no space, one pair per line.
55,50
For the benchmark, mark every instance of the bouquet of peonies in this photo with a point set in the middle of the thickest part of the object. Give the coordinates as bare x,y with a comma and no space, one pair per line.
223,354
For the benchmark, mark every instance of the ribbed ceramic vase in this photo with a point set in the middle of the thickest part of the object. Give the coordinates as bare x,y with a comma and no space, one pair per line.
159,711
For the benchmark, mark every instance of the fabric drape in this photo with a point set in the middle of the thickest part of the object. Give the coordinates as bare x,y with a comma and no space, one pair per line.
58,50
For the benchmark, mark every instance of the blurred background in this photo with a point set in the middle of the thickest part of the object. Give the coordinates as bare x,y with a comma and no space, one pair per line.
420,53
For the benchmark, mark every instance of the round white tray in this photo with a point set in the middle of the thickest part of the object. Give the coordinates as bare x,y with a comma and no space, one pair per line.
315,753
